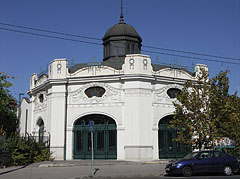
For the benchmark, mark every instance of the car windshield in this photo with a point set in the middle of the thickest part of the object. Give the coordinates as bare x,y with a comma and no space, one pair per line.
190,155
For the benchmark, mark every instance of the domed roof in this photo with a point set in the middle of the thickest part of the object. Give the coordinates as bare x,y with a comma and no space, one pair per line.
122,29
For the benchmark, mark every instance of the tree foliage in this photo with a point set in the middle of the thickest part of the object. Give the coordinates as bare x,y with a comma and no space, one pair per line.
204,110
23,151
8,107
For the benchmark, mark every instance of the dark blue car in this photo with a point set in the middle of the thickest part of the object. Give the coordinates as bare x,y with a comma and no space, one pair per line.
204,162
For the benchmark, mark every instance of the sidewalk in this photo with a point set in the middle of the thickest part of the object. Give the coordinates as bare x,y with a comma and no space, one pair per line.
82,169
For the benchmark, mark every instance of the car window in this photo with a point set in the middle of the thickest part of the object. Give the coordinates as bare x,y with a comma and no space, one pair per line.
190,155
204,155
217,154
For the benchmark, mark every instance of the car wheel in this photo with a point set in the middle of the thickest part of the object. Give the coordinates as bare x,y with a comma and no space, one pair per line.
227,170
187,171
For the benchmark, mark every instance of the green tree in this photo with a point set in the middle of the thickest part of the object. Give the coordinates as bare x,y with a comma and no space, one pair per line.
226,110
8,107
192,113
204,110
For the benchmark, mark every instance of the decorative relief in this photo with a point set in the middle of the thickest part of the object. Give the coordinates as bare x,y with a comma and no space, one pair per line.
131,63
138,93
59,67
41,80
40,101
145,62
161,94
111,94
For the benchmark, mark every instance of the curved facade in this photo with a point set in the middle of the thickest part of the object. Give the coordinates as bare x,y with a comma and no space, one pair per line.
129,103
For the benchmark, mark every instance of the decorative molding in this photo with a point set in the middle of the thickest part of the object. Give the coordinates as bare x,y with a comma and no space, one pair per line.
40,80
111,94
131,63
161,95
59,67
145,62
138,92
40,105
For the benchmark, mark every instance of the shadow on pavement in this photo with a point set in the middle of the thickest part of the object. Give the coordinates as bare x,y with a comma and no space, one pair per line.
5,172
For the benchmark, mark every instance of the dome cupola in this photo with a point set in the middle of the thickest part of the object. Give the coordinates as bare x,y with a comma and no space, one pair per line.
119,40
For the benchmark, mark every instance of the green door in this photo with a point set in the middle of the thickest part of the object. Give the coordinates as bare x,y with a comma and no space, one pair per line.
167,147
104,140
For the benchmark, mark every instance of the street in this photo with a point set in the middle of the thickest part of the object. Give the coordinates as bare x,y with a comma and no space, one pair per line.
82,169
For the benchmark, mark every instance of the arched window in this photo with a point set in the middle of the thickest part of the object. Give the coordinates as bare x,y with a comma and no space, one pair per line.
105,137
168,148
172,92
40,124
95,91
41,98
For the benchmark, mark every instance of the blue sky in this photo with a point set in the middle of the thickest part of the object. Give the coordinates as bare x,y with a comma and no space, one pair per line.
202,26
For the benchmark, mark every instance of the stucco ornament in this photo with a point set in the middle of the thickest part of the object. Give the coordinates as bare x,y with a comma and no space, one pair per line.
131,63
145,62
59,67
41,80
79,96
161,94
138,93
40,101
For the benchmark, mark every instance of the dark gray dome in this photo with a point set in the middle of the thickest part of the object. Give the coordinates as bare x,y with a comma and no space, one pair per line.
122,29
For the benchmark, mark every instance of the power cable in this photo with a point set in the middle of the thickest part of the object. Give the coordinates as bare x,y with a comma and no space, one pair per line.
93,43
49,36
192,53
98,39
48,31
205,59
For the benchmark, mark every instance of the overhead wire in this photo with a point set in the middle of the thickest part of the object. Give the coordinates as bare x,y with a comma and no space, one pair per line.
95,43
48,31
50,36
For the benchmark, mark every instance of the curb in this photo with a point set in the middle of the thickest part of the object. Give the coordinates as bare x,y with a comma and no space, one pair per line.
56,165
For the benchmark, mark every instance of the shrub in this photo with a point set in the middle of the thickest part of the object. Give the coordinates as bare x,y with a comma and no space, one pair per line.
24,151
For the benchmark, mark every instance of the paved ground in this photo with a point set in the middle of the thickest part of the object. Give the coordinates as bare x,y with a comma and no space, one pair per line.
80,169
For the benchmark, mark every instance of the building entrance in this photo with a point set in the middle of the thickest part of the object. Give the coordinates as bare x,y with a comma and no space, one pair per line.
166,146
105,138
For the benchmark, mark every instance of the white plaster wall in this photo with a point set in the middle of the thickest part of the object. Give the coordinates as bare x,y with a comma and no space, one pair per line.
57,116
25,108
138,120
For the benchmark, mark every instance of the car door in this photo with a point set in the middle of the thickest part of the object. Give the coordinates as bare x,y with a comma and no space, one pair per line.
218,161
202,163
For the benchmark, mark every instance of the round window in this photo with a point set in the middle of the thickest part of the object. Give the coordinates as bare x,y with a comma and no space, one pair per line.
172,92
95,91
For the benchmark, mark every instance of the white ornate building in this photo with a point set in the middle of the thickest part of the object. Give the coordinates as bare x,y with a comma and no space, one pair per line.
128,98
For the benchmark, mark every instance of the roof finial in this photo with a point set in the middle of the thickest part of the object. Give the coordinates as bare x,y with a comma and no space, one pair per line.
121,16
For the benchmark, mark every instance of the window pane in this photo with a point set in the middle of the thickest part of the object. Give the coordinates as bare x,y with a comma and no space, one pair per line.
114,47
100,141
112,140
170,142
79,146
120,48
128,48
161,142
132,49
